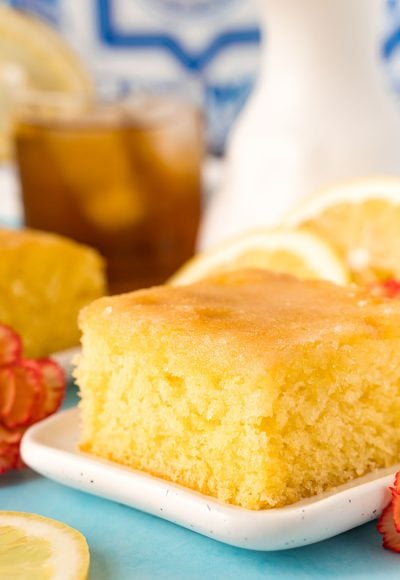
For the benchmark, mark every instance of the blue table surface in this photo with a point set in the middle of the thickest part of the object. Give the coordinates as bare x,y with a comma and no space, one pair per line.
127,544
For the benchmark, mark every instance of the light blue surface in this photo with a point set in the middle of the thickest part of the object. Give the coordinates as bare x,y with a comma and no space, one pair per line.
126,544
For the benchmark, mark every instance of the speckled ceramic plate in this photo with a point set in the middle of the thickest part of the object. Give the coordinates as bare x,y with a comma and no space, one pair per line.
65,358
50,448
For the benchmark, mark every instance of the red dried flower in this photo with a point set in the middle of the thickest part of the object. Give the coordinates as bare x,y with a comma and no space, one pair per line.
30,390
389,523
386,289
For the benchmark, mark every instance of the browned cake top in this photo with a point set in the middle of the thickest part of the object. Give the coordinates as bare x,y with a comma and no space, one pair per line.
258,308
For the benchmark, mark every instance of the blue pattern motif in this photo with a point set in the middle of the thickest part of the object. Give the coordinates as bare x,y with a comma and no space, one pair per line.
194,61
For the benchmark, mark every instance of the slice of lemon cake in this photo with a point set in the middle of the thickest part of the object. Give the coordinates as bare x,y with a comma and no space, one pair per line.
45,280
255,388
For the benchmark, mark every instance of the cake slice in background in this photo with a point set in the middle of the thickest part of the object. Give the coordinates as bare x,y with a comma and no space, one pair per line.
256,388
45,280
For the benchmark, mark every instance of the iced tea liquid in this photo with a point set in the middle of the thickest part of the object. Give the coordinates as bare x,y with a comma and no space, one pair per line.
125,180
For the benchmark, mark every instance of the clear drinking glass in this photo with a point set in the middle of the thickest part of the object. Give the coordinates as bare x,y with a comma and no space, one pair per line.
123,177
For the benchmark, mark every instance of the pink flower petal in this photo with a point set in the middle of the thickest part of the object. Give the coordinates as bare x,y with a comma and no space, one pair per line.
10,345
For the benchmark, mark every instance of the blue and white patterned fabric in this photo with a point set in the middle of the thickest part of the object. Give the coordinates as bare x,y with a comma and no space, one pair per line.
210,45
391,42
159,45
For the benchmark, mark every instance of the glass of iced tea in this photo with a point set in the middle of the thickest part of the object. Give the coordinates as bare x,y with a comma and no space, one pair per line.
123,177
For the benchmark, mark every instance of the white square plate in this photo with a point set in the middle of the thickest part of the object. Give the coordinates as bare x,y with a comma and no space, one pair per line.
65,358
50,448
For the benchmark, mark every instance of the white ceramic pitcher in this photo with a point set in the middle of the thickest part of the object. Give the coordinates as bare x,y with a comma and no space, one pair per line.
322,113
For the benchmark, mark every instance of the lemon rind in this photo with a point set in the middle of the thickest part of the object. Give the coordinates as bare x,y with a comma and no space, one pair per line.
317,253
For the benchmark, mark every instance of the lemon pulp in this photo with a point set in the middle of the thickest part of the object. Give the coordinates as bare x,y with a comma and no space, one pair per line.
33,547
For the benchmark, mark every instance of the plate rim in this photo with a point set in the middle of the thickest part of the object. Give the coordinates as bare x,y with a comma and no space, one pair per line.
299,524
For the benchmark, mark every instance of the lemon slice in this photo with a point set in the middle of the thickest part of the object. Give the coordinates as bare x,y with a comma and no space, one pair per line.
36,548
361,220
33,56
299,253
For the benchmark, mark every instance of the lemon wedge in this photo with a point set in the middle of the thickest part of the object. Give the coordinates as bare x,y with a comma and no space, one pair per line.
33,547
361,220
33,57
299,253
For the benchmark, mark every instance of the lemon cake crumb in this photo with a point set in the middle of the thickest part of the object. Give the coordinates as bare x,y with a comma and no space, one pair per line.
256,388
